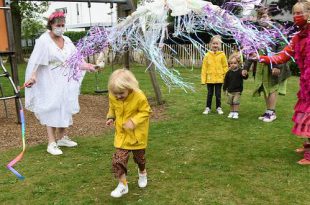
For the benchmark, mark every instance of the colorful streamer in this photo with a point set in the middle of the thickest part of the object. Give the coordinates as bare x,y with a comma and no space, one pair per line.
20,156
146,29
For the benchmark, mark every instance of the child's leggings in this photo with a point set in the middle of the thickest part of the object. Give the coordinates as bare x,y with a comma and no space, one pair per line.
120,160
218,89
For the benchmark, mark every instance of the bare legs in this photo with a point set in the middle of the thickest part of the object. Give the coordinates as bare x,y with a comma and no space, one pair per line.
271,101
51,133
234,108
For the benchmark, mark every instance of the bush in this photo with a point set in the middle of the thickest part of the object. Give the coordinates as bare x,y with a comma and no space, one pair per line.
75,35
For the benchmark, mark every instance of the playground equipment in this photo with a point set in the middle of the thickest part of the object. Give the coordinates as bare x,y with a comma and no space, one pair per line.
7,49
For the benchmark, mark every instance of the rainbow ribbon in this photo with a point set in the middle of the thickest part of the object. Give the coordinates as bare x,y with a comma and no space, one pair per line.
20,156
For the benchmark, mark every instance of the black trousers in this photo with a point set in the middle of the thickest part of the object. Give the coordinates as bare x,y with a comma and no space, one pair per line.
218,90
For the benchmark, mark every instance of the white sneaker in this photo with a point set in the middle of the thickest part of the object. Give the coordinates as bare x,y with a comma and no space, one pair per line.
230,115
53,149
262,116
120,190
207,111
235,115
270,117
219,111
142,181
66,142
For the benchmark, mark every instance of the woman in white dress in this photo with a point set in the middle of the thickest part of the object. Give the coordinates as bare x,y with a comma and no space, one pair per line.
49,93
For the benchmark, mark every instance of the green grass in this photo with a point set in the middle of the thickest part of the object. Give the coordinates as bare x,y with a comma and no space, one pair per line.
191,158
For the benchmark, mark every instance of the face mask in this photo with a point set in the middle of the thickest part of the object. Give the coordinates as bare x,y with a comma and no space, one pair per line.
300,20
58,31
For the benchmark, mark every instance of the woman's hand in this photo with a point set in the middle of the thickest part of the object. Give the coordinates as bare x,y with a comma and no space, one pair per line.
275,71
29,83
88,67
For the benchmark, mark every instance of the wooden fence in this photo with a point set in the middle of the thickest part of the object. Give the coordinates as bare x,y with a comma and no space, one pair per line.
186,55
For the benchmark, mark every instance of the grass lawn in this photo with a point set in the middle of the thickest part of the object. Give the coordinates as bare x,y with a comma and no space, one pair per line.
191,158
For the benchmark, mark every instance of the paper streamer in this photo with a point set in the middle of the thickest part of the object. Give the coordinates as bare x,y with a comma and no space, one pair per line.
20,156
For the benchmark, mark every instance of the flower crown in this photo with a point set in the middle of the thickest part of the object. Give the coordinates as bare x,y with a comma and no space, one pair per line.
56,14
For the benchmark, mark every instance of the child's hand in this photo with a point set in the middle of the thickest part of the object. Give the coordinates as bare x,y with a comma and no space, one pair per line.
244,73
129,125
109,122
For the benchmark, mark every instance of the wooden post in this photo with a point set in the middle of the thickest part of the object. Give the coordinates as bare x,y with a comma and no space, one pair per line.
155,84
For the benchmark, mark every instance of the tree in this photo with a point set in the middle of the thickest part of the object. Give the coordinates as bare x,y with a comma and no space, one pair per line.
24,10
31,28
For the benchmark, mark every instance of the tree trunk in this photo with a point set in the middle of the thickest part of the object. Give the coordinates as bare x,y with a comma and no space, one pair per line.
17,28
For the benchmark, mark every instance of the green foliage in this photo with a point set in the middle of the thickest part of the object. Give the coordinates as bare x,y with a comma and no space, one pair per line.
29,9
31,28
75,35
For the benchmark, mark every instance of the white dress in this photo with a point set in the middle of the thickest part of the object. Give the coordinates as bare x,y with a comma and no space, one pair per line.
53,98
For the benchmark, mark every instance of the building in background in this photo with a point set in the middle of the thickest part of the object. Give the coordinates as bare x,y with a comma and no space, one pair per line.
79,16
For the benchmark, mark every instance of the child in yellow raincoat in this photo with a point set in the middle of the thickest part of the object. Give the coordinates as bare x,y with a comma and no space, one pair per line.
214,68
129,111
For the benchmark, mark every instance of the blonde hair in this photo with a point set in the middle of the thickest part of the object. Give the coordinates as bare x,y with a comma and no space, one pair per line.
216,37
304,4
122,79
234,56
298,5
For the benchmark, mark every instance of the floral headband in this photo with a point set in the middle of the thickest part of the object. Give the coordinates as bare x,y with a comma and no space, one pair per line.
56,14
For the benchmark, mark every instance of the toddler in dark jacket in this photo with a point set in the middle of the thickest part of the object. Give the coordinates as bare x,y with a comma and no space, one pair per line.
233,84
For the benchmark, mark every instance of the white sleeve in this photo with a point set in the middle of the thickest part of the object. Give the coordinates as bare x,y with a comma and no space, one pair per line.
39,56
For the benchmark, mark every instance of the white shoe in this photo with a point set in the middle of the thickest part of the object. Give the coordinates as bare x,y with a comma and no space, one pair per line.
53,149
120,190
235,115
66,142
262,116
207,111
270,117
142,181
219,111
230,115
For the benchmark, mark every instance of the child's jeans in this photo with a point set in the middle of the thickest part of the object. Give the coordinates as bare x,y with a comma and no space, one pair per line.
218,89
120,160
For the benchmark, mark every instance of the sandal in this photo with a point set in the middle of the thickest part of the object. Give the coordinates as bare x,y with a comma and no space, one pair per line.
305,160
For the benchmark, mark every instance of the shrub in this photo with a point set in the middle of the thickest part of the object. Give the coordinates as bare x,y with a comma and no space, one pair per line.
75,35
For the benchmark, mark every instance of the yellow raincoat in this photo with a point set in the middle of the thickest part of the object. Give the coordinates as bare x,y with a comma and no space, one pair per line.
136,108
214,67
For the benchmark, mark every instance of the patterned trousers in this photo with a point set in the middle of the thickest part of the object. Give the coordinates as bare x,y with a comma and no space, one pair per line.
120,160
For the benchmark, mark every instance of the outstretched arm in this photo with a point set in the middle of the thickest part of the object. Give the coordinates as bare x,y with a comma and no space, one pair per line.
284,56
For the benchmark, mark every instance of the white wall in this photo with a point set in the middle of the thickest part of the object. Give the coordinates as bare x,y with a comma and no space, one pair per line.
98,12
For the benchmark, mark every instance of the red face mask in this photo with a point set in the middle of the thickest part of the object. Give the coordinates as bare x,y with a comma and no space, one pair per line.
300,20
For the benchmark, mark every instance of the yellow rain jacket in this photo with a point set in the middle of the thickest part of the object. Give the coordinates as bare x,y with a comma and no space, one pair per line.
136,108
214,67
